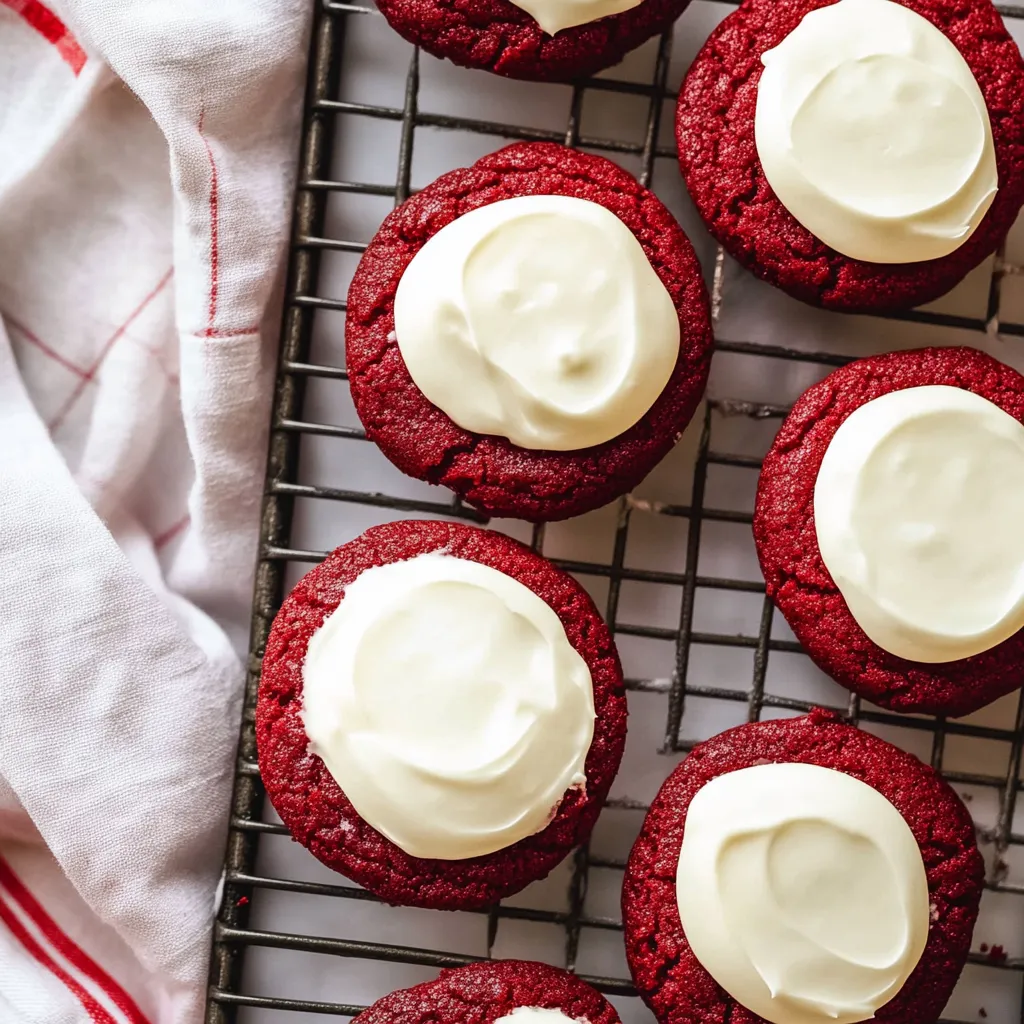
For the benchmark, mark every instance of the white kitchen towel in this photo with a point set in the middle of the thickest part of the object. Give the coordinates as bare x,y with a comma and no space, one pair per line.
147,157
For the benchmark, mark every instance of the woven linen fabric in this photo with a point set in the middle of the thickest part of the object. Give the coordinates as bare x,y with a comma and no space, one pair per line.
147,159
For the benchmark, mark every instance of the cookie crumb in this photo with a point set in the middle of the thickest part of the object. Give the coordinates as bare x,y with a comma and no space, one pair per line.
982,1012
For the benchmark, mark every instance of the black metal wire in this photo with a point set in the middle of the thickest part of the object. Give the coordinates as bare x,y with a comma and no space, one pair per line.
232,932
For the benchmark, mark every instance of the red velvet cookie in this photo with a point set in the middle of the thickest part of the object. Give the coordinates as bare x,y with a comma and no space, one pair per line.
787,542
498,36
719,159
665,970
309,800
487,471
484,992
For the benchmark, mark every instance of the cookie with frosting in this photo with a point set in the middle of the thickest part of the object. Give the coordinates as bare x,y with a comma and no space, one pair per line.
863,155
441,713
496,992
801,871
887,526
538,40
532,332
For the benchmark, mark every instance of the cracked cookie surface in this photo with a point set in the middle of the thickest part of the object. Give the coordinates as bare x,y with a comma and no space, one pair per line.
484,992
490,472
498,36
718,157
787,542
312,804
669,977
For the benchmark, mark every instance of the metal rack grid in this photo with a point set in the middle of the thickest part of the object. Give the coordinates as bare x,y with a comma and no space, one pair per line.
233,934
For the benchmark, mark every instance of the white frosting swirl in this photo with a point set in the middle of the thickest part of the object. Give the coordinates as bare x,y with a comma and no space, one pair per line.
874,134
917,514
802,892
539,319
538,1015
447,702
555,15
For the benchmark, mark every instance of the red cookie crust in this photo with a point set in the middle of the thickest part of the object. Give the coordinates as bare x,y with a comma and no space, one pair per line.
310,802
490,472
787,541
498,36
718,156
484,992
669,977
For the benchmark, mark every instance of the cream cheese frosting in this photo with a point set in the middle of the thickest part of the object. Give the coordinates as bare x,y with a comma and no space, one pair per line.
445,699
802,892
917,515
539,319
874,134
555,15
538,1015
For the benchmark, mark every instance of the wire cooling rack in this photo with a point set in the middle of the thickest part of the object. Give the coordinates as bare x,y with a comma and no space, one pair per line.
672,565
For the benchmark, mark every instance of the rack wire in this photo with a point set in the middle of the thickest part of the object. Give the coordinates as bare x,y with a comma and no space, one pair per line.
244,883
